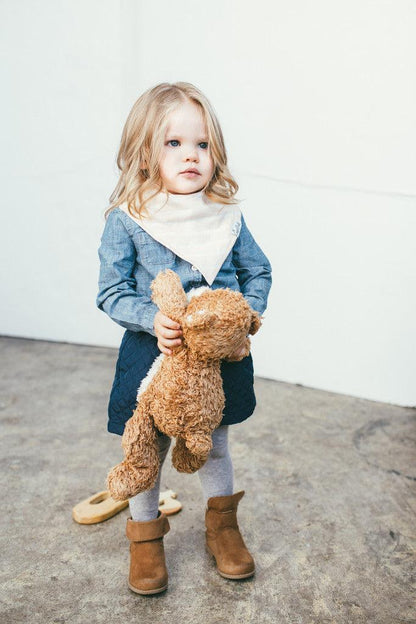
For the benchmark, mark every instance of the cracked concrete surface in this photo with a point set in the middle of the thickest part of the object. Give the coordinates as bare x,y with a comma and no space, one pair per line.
329,510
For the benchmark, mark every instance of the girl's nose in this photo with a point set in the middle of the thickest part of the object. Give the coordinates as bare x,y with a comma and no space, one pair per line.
192,155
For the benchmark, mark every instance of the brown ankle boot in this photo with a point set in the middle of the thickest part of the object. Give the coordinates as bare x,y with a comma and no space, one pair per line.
224,539
148,573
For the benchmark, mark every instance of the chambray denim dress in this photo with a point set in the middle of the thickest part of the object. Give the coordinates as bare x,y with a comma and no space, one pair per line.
129,260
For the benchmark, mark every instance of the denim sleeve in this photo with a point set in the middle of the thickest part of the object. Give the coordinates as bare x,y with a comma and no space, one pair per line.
253,269
117,294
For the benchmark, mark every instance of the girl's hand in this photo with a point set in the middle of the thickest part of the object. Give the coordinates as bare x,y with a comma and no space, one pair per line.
168,333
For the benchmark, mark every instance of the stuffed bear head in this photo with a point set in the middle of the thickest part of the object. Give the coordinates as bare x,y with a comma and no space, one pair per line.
215,323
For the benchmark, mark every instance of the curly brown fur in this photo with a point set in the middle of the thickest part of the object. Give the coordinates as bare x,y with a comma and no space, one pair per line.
183,460
185,397
138,472
169,296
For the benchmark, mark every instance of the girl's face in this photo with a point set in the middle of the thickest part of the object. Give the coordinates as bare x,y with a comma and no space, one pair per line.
186,165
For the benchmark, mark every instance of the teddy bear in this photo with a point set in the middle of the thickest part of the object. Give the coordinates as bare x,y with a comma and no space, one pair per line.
182,395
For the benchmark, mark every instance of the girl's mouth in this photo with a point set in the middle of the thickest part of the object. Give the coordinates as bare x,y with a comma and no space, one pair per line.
190,173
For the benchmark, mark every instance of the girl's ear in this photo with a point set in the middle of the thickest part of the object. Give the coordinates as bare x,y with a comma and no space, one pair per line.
255,323
168,295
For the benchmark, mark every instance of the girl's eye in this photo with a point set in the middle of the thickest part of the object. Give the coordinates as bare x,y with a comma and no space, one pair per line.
203,145
173,142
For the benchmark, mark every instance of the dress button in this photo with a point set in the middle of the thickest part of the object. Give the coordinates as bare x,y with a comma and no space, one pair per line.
194,268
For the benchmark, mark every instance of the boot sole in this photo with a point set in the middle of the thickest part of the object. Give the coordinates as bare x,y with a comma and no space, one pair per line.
146,592
234,577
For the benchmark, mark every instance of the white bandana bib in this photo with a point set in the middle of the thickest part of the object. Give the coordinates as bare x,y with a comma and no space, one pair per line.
195,228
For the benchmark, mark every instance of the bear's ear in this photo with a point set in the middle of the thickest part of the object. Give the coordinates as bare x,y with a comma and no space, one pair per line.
168,295
255,323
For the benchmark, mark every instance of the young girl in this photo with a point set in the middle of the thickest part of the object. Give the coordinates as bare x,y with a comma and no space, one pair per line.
174,207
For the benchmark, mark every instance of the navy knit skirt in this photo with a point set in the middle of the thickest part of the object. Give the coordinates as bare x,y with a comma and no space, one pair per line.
138,350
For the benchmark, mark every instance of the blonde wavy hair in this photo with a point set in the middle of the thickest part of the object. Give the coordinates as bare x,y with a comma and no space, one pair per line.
142,141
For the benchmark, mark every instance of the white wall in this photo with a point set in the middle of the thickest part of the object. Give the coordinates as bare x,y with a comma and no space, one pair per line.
61,112
317,105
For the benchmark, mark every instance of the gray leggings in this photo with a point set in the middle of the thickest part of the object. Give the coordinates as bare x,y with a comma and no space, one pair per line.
216,476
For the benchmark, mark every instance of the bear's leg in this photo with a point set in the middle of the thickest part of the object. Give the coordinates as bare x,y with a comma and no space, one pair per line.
138,472
183,460
198,443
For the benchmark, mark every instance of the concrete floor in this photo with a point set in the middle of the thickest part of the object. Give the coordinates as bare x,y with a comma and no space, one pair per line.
329,511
